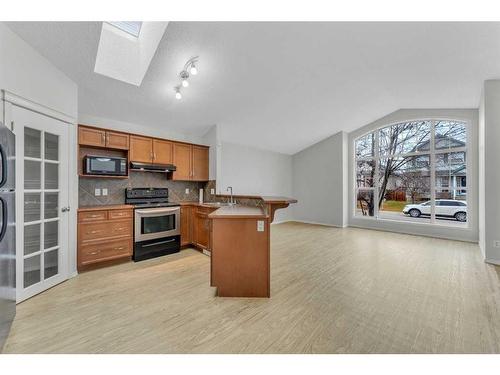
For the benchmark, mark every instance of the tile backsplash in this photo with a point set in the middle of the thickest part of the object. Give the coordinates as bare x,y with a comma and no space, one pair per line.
116,188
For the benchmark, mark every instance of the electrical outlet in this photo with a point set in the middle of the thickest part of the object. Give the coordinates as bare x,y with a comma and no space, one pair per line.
260,225
496,243
97,192
186,191
104,191
212,191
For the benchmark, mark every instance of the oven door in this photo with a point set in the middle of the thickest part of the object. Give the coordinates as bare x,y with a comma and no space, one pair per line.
152,223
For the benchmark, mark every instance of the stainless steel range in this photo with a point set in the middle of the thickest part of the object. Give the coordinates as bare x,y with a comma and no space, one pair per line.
156,222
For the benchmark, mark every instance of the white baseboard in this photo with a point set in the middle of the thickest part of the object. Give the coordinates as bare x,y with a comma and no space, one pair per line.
281,222
493,261
319,223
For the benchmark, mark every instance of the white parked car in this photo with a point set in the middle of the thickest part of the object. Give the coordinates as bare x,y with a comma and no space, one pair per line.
444,208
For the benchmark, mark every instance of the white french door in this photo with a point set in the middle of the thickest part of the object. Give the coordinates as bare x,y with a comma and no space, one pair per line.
41,201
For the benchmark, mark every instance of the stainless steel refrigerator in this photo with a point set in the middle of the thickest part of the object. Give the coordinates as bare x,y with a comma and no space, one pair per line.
7,232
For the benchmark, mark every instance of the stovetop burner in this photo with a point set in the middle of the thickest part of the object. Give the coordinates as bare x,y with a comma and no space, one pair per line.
155,204
148,197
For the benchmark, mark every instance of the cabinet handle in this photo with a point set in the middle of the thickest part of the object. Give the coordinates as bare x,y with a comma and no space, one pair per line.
95,231
119,248
94,252
121,228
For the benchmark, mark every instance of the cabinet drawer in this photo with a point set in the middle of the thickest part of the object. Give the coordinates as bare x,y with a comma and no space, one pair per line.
105,251
90,232
120,214
84,217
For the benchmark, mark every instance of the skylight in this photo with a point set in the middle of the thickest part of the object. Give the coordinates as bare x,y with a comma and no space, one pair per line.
131,27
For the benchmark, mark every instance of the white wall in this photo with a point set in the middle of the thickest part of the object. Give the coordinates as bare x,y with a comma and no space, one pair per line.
320,182
491,154
211,139
434,230
26,73
30,76
252,171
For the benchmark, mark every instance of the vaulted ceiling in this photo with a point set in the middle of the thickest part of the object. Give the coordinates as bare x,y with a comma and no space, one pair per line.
280,86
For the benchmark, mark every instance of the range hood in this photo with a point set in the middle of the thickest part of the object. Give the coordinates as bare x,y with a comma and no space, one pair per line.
147,167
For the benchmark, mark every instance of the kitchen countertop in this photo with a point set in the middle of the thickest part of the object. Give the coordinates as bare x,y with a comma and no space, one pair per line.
106,207
264,198
237,211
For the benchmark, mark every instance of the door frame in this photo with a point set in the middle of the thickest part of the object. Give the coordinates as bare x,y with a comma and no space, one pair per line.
9,99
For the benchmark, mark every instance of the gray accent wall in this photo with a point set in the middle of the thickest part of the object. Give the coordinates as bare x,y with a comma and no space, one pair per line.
319,182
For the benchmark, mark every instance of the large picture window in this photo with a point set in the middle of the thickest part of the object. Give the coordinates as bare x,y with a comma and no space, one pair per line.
413,171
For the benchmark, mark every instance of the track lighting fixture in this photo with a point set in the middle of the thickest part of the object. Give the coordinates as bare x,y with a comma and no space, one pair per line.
178,94
189,69
184,78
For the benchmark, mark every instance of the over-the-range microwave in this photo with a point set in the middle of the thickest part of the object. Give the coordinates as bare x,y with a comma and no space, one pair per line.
104,165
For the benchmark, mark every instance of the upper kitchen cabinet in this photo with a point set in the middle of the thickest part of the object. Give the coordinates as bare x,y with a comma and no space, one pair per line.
191,162
199,163
91,137
141,149
102,138
162,151
117,140
182,161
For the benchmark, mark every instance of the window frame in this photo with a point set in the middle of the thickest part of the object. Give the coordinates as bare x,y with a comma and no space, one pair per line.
432,152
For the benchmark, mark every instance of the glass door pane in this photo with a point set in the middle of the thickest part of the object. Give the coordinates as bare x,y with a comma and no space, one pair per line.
41,206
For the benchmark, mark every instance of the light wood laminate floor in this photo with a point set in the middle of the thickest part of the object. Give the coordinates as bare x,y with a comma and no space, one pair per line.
332,291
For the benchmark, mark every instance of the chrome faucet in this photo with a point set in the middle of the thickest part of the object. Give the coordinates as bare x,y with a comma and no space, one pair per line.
231,201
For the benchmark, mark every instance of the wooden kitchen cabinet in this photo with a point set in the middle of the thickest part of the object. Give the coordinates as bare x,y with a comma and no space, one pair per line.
102,138
162,151
117,140
199,163
91,136
141,149
182,161
186,225
201,229
191,162
104,235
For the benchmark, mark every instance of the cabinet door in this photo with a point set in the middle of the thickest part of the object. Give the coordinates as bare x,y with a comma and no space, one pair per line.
182,161
117,140
185,225
201,226
141,149
91,137
200,163
162,151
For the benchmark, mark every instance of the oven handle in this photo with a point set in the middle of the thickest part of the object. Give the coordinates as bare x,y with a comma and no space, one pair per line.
156,211
159,243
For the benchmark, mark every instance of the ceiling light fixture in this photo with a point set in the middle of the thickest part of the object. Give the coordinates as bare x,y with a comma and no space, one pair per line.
184,76
178,94
189,68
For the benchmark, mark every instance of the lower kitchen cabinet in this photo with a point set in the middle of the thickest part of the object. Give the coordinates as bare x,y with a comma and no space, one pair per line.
202,228
104,234
195,226
186,225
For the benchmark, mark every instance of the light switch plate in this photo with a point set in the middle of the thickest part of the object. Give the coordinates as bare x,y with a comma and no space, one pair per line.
104,191
186,191
496,243
212,191
260,225
97,192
